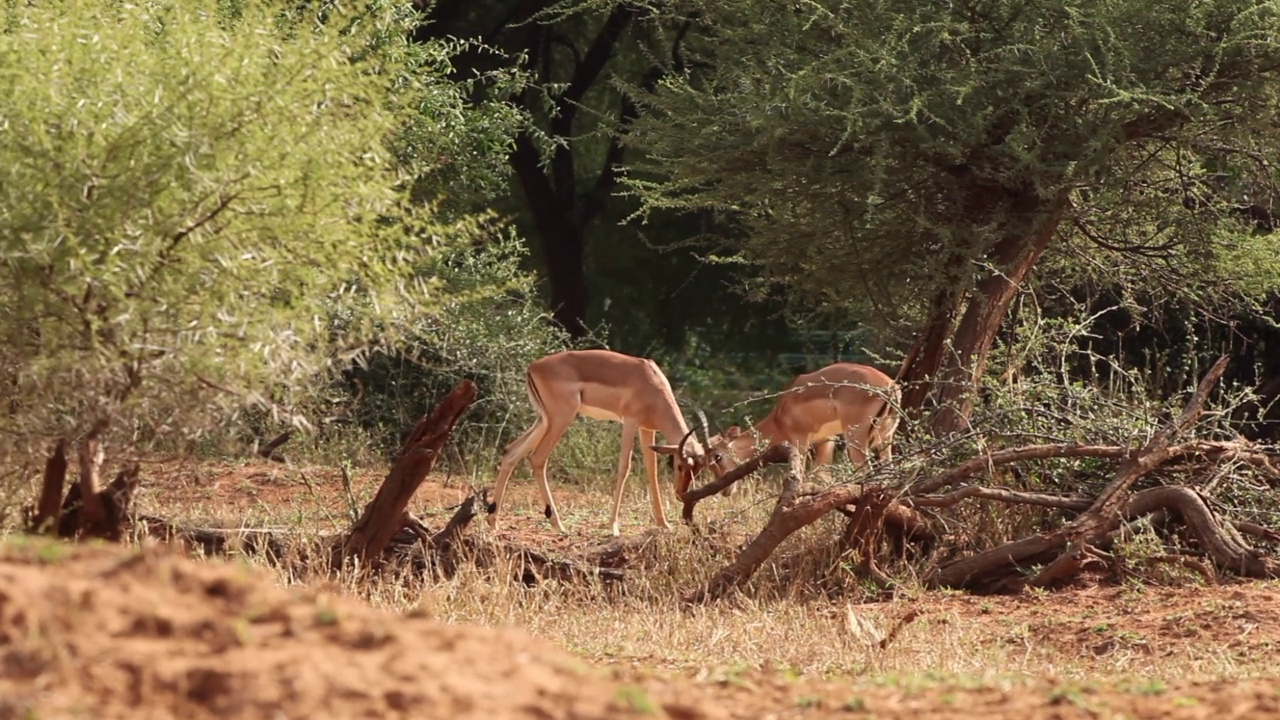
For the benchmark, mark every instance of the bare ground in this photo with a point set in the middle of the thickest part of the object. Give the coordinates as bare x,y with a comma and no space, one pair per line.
109,632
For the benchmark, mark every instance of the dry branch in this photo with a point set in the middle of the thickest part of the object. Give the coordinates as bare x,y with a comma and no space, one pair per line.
793,511
1222,542
268,450
1156,451
991,567
1004,495
371,534
775,454
982,463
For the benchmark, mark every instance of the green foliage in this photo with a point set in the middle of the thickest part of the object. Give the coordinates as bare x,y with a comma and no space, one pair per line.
486,329
207,203
870,153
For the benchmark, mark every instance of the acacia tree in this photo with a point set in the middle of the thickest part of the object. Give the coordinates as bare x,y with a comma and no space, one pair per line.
916,160
204,202
567,159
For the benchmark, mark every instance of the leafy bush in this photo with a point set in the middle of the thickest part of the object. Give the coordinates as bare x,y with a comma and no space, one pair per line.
209,204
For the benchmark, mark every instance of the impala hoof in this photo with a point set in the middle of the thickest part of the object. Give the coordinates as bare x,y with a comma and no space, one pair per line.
546,512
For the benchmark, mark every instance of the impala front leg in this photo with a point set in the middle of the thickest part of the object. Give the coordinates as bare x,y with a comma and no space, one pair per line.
629,428
647,438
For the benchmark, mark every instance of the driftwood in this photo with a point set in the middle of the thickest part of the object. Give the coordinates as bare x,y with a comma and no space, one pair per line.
103,514
1103,515
381,520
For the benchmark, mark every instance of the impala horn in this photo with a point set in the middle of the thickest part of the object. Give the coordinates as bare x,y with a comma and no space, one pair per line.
684,440
706,430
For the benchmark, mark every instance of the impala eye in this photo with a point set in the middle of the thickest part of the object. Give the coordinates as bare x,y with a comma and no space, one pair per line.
717,458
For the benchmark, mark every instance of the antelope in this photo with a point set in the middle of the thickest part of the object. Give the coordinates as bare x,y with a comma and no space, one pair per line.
856,401
604,385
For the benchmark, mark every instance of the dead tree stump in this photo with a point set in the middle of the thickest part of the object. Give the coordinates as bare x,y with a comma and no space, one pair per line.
105,516
383,517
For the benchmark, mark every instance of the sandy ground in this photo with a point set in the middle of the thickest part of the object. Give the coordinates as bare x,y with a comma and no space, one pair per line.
107,632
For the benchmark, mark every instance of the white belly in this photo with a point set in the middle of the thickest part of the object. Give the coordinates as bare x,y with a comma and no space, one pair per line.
596,413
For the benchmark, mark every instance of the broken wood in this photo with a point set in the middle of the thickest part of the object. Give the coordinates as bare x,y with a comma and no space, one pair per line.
371,534
1102,516
115,502
775,454
49,507
864,531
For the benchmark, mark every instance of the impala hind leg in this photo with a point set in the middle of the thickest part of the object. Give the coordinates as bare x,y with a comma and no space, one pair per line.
647,439
624,468
824,452
514,453
541,454
856,441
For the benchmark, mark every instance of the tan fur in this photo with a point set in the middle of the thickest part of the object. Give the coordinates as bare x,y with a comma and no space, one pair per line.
841,399
605,385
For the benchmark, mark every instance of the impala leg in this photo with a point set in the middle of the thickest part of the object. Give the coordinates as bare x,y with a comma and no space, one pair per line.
511,457
541,454
824,452
624,466
647,439
855,446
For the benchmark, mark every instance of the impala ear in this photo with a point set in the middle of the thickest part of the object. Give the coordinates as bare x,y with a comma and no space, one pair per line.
733,432
666,449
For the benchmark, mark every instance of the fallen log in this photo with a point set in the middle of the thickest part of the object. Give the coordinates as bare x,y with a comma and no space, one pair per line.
999,566
381,520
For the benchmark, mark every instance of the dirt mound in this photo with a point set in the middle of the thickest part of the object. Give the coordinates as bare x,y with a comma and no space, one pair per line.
145,633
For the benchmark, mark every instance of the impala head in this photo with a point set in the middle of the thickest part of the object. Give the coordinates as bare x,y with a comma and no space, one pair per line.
730,449
692,455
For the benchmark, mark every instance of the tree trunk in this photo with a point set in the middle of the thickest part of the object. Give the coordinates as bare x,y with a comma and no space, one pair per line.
563,250
925,358
959,355
561,238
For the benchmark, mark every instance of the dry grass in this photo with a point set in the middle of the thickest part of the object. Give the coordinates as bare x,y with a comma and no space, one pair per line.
804,616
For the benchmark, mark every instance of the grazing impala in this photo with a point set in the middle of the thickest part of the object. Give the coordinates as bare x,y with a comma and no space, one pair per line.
604,385
847,399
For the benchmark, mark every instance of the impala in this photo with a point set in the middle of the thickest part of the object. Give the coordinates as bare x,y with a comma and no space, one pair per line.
856,401
604,385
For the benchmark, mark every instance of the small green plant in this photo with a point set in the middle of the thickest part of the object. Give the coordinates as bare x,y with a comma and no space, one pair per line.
809,701
1150,686
52,552
635,699
326,616
855,705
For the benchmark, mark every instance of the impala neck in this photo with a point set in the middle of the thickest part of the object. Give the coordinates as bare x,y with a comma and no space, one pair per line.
672,426
766,431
